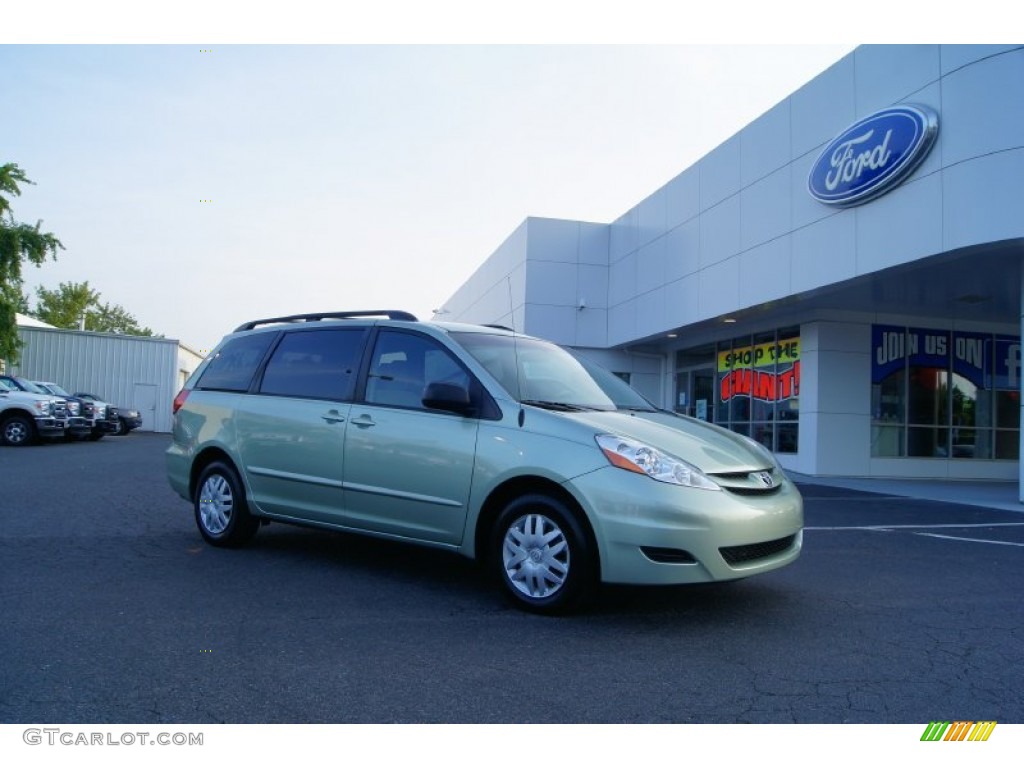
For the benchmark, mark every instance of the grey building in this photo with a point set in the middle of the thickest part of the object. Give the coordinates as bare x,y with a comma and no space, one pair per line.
129,371
841,280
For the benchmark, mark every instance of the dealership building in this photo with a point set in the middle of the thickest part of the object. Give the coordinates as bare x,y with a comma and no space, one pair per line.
841,280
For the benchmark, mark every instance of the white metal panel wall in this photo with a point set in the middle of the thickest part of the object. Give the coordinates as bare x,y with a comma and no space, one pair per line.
760,237
107,365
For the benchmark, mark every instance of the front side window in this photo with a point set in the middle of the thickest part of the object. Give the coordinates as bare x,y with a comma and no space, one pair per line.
317,364
403,364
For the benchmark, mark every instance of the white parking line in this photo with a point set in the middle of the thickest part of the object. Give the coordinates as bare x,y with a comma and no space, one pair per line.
872,497
915,527
979,541
917,530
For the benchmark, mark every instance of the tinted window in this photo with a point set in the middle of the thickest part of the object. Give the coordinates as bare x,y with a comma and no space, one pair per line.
232,368
402,366
316,364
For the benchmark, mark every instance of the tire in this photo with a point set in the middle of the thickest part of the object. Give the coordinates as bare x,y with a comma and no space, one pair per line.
96,435
542,555
222,513
122,428
17,431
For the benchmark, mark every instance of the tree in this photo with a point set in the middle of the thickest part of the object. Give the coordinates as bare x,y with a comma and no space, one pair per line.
70,302
65,306
113,318
18,242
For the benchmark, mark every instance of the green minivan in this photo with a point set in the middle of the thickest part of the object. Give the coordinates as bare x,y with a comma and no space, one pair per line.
502,447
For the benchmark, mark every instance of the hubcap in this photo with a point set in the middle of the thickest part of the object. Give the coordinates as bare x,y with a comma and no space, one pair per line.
15,432
535,554
216,504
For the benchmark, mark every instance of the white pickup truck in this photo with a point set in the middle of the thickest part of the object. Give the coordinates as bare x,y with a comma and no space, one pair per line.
27,416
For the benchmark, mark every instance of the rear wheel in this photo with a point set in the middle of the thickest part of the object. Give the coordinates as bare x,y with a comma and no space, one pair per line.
543,556
222,513
18,430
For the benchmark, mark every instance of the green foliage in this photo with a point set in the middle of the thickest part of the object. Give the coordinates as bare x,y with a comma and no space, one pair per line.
18,242
65,306
113,318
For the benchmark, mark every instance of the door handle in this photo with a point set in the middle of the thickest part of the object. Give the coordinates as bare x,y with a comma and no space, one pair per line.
366,420
332,417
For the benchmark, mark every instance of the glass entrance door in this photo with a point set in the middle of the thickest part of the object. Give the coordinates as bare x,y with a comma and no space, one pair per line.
695,393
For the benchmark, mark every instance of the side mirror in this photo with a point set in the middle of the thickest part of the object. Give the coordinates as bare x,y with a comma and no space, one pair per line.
448,397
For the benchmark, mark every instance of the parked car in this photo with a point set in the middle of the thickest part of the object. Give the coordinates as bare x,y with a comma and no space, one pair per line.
25,415
108,417
121,421
129,419
81,413
477,440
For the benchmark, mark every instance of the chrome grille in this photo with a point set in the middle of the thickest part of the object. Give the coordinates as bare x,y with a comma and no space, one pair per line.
756,482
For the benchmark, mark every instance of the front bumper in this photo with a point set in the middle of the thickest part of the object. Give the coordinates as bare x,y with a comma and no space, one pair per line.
79,426
650,532
50,427
107,426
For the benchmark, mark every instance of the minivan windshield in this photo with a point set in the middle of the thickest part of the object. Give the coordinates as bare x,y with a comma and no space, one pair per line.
624,396
537,372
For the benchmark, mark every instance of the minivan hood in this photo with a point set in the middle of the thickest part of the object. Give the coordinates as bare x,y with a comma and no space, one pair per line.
709,448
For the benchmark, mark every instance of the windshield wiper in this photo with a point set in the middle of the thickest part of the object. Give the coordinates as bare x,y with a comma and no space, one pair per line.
553,405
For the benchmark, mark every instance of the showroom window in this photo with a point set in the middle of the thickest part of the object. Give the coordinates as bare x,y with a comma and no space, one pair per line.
758,387
942,394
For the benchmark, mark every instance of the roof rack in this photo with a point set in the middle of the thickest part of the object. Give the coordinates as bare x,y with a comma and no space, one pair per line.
390,314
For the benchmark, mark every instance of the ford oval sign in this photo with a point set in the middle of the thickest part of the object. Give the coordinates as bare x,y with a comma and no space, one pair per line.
873,155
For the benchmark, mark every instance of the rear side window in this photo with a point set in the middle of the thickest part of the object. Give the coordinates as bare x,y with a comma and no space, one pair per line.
315,364
233,367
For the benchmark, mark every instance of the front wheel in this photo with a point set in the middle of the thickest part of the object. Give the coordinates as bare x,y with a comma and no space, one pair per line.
222,513
543,556
17,430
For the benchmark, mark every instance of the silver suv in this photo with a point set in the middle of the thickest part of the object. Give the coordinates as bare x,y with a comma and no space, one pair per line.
478,440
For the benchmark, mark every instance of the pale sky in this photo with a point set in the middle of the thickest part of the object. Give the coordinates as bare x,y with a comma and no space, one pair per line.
348,177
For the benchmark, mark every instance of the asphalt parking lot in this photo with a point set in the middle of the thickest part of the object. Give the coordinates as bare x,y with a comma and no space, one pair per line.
115,611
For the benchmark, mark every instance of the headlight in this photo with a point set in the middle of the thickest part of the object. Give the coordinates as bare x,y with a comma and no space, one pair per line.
634,456
45,407
73,408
